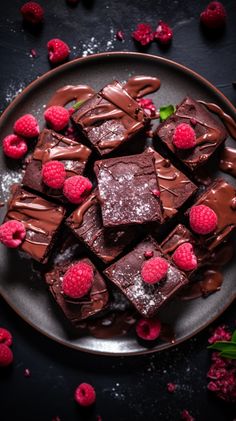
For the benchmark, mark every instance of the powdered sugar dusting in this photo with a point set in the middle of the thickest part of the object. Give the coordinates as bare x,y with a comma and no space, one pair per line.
7,179
13,91
95,45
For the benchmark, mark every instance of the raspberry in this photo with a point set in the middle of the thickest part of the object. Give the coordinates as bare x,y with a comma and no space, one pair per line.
203,219
155,269
85,394
163,33
185,415
14,146
57,117
12,233
77,280
27,372
32,12
58,50
214,16
5,337
184,257
184,136
148,329
171,387
220,334
54,174
120,35
76,188
143,34
26,126
6,355
148,106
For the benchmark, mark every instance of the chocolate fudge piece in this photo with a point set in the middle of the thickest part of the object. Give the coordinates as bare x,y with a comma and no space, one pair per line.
86,223
210,132
110,118
221,197
127,187
175,187
54,146
126,274
41,219
81,309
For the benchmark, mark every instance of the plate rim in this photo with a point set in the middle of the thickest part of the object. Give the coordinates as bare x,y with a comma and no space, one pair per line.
50,73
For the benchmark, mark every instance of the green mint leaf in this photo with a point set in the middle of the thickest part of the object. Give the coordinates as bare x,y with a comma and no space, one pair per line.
224,346
231,355
233,339
166,111
77,105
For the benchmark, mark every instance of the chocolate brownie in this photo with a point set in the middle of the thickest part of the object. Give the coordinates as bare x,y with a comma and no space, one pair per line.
41,219
210,132
110,118
91,304
128,190
54,146
126,274
86,223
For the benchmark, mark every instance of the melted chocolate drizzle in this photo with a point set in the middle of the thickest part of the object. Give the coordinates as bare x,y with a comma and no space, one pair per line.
69,93
226,118
228,161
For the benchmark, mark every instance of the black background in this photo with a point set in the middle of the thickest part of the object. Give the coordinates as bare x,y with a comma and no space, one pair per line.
127,388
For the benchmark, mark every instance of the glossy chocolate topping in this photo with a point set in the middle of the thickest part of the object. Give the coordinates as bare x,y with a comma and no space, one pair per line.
69,93
138,86
211,282
228,161
78,214
228,121
113,325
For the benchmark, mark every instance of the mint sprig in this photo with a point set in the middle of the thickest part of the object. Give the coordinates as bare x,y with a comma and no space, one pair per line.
227,348
77,104
166,111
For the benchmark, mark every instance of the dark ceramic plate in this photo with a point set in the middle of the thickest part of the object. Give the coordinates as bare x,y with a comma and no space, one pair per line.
19,286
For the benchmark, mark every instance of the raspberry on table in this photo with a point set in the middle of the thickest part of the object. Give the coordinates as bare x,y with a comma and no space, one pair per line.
143,34
6,355
57,117
32,12
26,126
54,174
78,280
12,233
5,337
85,394
185,416
76,188
203,220
171,387
184,136
214,16
163,33
14,146
184,257
154,270
148,329
58,50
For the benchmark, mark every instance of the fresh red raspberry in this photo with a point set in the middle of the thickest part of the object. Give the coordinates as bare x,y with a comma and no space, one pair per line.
203,219
185,415
32,12
163,33
5,337
184,136
148,106
143,34
154,270
184,257
54,174
26,126
12,233
85,394
120,35
57,117
6,355
76,188
221,333
214,16
171,387
77,280
14,146
148,329
58,50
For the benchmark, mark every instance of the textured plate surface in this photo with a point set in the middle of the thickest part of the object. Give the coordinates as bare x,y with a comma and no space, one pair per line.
19,286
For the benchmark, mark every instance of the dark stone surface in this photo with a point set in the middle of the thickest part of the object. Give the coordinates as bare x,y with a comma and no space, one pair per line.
127,388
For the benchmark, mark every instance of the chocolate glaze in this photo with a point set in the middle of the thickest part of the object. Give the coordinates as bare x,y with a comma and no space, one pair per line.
228,161
113,325
210,283
138,86
228,121
69,93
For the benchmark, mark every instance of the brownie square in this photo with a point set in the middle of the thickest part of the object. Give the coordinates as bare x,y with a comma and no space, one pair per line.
41,219
221,197
54,146
86,223
210,132
84,307
126,275
110,118
127,187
